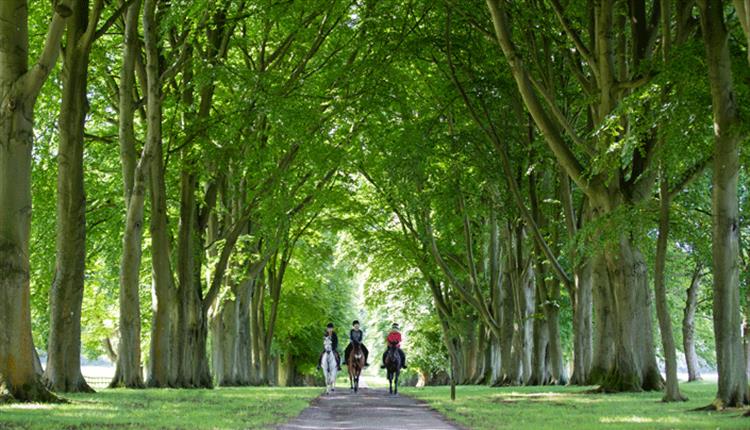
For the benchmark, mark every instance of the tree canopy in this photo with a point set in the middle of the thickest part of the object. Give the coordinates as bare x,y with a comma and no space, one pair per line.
542,192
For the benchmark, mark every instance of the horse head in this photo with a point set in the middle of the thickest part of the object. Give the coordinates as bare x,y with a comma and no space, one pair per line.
327,344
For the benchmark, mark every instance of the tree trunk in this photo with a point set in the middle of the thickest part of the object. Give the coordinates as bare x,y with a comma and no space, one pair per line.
688,326
63,372
672,388
635,367
582,328
128,373
19,87
603,353
558,373
508,364
581,295
244,331
539,371
224,329
733,389
161,268
526,321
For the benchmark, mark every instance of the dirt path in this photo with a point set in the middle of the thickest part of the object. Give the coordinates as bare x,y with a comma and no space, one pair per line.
368,409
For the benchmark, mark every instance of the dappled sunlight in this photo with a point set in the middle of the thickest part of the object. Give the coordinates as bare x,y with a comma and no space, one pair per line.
556,398
633,419
639,420
29,406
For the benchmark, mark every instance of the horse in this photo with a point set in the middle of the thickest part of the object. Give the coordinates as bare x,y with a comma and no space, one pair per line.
355,363
329,366
393,367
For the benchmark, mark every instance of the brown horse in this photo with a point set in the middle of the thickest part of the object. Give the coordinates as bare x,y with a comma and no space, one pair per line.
355,363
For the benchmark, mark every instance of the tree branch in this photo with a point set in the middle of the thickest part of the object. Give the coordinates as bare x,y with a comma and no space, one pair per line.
35,77
585,53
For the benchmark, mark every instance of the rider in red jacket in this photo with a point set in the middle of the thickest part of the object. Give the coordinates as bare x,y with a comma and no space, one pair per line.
395,337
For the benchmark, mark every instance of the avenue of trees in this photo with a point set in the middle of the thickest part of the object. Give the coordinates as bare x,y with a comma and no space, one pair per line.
543,192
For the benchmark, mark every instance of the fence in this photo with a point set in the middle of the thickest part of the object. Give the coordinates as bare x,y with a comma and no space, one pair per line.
98,382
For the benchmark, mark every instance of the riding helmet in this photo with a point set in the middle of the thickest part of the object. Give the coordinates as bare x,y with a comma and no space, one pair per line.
330,325
395,325
355,322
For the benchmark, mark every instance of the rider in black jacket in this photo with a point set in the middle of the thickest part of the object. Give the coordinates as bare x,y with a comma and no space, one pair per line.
355,337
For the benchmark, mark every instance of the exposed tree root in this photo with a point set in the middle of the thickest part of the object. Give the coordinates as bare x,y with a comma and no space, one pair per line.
679,398
80,386
35,392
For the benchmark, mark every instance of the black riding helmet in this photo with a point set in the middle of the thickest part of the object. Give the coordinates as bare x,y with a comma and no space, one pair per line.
330,325
355,322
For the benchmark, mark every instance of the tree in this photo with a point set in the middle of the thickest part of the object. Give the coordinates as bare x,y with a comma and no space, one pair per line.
63,372
728,134
19,88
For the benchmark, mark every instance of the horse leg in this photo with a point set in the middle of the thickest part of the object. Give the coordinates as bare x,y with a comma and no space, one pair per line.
396,388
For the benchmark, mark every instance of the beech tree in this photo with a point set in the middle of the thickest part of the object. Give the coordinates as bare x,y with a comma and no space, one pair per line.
20,84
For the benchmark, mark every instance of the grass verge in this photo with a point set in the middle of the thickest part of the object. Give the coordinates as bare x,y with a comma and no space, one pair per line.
221,408
558,408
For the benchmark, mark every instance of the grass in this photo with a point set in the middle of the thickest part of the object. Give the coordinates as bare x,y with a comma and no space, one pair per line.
558,408
221,408
476,408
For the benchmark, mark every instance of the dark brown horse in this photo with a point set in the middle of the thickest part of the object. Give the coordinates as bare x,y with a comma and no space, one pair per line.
393,366
355,363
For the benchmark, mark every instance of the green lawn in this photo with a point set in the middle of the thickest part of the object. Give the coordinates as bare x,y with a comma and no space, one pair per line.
221,408
560,408
476,408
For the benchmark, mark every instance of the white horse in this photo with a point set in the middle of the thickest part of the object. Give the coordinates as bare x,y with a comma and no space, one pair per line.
328,364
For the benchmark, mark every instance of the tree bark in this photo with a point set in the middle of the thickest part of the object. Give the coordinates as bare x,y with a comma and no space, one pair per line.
19,88
540,358
243,346
163,295
558,373
672,388
63,372
582,325
603,353
224,336
128,373
688,326
635,367
730,359
581,296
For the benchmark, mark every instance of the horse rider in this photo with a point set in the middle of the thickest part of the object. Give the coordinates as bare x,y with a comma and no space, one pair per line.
334,345
355,337
395,337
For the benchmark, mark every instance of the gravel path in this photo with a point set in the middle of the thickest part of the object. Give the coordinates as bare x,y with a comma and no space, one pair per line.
368,409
